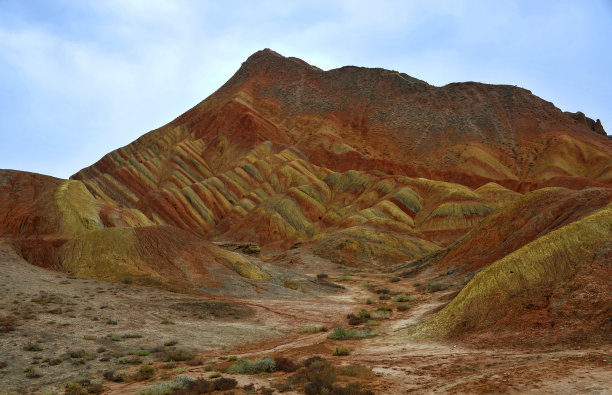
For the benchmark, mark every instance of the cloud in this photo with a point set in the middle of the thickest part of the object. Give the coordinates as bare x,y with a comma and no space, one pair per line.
78,79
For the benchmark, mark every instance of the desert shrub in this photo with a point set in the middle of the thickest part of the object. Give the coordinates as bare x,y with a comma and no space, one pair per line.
383,290
373,323
381,315
194,362
199,386
285,365
384,297
232,358
311,329
341,333
101,350
345,278
341,351
132,360
142,353
167,387
111,322
283,386
394,279
369,285
359,318
384,308
145,372
369,301
224,384
403,298
75,389
208,368
3,364
214,375
171,343
32,347
244,366
403,307
31,372
316,378
177,355
322,276
110,376
264,365
435,286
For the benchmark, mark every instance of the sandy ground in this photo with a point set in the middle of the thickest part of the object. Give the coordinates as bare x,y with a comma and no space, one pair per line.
65,316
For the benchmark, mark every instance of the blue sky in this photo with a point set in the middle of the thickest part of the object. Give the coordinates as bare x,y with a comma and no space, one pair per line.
81,78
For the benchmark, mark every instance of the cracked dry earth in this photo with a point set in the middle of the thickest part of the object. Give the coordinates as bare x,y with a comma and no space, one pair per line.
81,328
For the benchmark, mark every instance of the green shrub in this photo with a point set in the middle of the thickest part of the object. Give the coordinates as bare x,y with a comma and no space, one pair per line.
403,307
342,351
244,366
345,278
32,347
214,375
167,387
384,308
142,353
340,333
177,355
403,298
145,372
132,360
31,372
111,322
312,329
208,368
394,279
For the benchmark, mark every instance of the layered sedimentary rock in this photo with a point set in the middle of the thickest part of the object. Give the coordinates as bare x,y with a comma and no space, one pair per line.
358,166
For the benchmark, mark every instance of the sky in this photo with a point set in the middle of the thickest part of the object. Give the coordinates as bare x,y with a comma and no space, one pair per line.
81,78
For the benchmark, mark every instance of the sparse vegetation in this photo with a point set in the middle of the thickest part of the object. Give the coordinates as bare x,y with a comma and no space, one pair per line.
32,347
312,329
167,387
344,278
111,322
403,307
403,298
31,372
145,372
341,333
342,351
244,366
177,355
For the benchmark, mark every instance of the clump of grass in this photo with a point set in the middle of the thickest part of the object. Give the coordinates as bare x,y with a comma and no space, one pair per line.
208,368
373,323
403,298
435,286
244,366
341,351
167,387
132,360
341,333
177,355
131,336
381,315
344,277
403,307
370,301
32,347
369,285
214,375
285,364
111,322
384,308
31,372
383,291
142,353
312,329
359,318
145,372
232,358
171,343
384,297
394,279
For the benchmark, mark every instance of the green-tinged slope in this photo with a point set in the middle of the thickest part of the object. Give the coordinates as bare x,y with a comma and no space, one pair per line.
533,278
